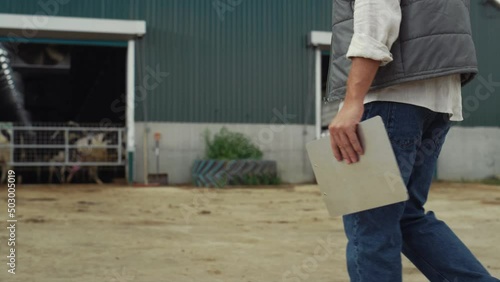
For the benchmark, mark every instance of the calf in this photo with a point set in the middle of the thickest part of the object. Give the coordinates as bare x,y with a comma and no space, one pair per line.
86,152
58,158
5,153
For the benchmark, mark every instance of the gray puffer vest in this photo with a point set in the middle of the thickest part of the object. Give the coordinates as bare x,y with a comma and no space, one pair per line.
434,40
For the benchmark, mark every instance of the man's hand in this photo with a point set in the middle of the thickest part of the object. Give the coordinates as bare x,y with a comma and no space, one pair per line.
343,137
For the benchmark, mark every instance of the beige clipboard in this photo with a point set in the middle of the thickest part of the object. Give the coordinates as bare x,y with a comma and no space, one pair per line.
372,182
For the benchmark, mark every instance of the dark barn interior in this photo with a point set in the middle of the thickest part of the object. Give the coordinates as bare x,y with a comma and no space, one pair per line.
58,85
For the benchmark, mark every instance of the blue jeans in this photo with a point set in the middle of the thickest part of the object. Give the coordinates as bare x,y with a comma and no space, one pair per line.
377,237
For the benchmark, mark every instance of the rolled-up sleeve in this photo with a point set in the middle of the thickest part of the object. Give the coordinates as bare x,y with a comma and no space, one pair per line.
376,28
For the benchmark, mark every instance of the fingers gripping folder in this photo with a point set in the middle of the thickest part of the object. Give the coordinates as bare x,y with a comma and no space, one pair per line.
372,182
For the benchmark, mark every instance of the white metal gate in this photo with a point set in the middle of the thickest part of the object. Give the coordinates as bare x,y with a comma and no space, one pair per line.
64,146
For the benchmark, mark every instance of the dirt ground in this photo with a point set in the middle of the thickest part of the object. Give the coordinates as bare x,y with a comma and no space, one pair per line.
122,234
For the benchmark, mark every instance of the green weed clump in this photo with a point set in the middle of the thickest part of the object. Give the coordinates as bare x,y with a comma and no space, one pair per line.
227,145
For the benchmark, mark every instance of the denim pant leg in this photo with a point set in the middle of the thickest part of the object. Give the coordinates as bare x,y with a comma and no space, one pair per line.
374,236
428,242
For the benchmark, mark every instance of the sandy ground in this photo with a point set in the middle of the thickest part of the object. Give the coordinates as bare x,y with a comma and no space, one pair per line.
121,234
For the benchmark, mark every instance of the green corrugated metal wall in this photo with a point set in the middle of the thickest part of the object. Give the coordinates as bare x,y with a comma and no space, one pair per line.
239,67
479,110
235,69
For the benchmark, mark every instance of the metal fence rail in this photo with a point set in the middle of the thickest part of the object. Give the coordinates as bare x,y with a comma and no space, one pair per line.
63,146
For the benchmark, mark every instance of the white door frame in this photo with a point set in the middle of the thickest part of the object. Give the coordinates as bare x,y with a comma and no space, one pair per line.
319,40
129,167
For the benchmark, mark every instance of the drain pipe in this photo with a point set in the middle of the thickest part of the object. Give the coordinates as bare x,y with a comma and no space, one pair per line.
10,93
12,100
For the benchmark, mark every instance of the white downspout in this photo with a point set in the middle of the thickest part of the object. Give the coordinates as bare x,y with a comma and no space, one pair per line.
130,110
317,83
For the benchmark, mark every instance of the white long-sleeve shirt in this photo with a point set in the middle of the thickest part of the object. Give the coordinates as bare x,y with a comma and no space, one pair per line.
376,28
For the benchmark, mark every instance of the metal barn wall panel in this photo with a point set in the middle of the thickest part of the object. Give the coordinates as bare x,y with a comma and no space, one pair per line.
244,61
481,99
227,61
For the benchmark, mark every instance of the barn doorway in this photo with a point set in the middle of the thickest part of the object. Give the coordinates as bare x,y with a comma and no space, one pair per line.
77,74
67,85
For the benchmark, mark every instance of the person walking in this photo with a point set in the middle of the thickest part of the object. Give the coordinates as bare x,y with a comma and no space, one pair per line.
406,61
